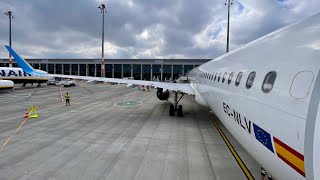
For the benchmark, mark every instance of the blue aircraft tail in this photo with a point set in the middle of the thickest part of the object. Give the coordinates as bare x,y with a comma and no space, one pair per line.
26,67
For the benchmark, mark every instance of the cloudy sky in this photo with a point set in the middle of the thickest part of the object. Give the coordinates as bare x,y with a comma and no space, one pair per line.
142,28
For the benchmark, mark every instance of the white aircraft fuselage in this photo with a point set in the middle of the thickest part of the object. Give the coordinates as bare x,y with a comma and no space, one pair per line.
18,76
280,128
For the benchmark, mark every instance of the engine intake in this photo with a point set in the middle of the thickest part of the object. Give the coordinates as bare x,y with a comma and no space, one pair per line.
163,95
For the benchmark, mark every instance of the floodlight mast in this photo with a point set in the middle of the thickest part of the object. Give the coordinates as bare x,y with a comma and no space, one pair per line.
103,10
9,14
229,3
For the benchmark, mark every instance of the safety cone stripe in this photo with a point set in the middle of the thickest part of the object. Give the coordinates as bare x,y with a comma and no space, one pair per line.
61,95
26,115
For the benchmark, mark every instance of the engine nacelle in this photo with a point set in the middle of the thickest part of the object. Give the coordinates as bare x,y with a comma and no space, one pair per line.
163,95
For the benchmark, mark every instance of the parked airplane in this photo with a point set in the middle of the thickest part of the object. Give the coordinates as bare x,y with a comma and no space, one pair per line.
266,94
18,76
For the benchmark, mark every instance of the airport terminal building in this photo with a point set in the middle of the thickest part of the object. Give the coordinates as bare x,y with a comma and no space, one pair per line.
139,69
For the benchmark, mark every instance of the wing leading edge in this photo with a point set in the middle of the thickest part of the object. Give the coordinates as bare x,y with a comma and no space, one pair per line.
178,87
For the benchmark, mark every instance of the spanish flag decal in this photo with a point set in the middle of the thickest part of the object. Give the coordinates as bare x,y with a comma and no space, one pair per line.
290,156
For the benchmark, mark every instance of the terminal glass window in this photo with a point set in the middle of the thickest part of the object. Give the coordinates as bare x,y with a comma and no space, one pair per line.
250,79
127,70
66,69
166,73
74,69
137,71
117,70
43,67
91,69
177,71
268,81
108,70
98,70
156,72
237,82
187,69
230,78
16,65
51,68
83,70
146,72
2,65
58,68
224,77
36,66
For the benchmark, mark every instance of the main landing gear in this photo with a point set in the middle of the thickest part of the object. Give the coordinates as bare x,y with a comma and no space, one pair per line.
175,107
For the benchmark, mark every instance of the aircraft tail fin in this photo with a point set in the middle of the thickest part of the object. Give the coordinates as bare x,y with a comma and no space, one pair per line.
22,63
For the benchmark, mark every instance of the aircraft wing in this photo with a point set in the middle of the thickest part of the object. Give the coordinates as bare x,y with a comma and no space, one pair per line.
179,87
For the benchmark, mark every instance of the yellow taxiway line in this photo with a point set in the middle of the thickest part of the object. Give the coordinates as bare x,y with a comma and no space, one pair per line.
14,133
232,150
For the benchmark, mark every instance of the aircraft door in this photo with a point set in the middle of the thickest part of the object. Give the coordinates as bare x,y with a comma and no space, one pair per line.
316,147
312,134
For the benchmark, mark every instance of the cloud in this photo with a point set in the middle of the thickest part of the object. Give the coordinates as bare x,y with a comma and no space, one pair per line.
142,28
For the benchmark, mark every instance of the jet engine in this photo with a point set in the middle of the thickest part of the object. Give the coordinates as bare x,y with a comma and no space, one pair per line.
163,95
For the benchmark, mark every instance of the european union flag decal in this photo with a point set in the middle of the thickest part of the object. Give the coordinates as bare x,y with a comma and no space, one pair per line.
263,136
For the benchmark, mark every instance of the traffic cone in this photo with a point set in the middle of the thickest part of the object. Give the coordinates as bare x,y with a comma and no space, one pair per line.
35,114
26,114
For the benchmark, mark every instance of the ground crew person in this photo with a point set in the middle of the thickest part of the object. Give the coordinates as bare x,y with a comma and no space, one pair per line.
67,97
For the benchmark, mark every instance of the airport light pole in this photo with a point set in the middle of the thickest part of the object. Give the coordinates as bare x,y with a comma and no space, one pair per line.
229,3
102,7
9,14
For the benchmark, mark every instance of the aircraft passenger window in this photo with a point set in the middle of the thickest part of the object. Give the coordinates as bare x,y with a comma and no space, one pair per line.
219,77
211,77
224,77
250,79
230,78
268,81
215,76
237,82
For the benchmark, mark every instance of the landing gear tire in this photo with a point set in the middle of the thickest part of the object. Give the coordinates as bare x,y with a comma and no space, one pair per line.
171,110
180,111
